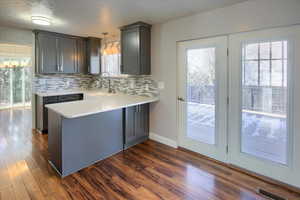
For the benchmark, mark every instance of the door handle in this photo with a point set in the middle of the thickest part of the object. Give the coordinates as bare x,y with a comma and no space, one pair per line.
180,99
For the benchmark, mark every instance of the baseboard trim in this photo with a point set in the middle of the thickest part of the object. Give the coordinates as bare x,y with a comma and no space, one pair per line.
245,171
163,140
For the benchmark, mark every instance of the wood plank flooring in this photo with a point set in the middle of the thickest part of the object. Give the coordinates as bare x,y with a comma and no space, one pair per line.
146,171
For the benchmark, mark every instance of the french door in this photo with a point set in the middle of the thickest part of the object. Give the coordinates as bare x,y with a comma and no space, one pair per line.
264,91
15,86
244,114
202,92
15,76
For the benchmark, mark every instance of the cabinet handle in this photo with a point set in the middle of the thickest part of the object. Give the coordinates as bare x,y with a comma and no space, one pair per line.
62,63
42,61
57,56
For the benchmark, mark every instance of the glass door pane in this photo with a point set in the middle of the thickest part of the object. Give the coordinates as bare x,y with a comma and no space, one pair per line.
5,87
18,86
27,83
264,93
201,95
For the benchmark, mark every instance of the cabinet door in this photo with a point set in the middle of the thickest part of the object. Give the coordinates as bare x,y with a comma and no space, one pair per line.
81,57
46,52
130,125
93,59
39,113
67,47
130,52
142,121
145,51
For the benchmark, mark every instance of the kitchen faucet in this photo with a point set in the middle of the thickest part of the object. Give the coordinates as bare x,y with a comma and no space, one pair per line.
110,89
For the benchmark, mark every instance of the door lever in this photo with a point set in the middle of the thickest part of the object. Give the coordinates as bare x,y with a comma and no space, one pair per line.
180,99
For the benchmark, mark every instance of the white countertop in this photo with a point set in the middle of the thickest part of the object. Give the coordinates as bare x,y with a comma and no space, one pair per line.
65,92
97,102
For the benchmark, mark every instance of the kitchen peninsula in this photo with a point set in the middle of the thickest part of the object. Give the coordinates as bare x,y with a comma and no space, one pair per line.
84,132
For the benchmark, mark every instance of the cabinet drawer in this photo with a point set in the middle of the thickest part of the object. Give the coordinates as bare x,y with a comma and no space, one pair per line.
49,100
72,97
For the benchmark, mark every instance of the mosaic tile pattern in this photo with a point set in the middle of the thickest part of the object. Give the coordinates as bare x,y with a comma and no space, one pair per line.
49,83
138,85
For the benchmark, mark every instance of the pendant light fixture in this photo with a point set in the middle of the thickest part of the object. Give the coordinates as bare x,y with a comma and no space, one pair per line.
104,46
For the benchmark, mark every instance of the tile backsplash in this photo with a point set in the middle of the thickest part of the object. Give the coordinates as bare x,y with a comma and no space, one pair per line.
138,85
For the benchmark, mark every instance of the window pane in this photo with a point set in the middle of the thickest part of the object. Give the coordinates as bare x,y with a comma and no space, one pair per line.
18,85
276,73
285,49
265,50
201,95
264,107
265,73
276,50
251,51
251,72
27,78
285,73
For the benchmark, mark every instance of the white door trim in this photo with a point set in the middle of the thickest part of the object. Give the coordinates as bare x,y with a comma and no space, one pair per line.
217,151
286,173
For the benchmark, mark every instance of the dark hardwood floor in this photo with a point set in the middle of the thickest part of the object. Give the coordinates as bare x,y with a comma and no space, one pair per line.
147,171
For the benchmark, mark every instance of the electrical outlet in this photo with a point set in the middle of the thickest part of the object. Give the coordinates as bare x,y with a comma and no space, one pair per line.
67,83
132,84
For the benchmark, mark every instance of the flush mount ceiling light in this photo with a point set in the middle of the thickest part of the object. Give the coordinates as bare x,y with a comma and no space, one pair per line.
42,12
40,20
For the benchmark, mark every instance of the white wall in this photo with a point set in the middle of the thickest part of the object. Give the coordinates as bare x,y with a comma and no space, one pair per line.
16,36
246,16
22,37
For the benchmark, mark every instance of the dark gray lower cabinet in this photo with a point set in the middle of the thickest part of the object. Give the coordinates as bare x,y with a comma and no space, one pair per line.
42,111
136,125
80,142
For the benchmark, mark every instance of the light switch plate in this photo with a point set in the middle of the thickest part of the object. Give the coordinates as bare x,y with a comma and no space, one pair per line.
132,84
161,85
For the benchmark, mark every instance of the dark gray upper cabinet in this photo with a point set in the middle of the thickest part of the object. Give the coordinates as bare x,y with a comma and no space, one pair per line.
46,54
135,49
81,56
67,53
59,53
93,55
136,124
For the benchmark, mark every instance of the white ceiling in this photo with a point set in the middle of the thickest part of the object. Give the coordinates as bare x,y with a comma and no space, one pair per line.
92,17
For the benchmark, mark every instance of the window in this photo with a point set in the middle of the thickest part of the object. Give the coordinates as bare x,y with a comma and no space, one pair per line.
110,61
264,93
264,64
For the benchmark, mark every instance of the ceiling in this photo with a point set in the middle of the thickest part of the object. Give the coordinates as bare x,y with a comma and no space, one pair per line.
92,17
